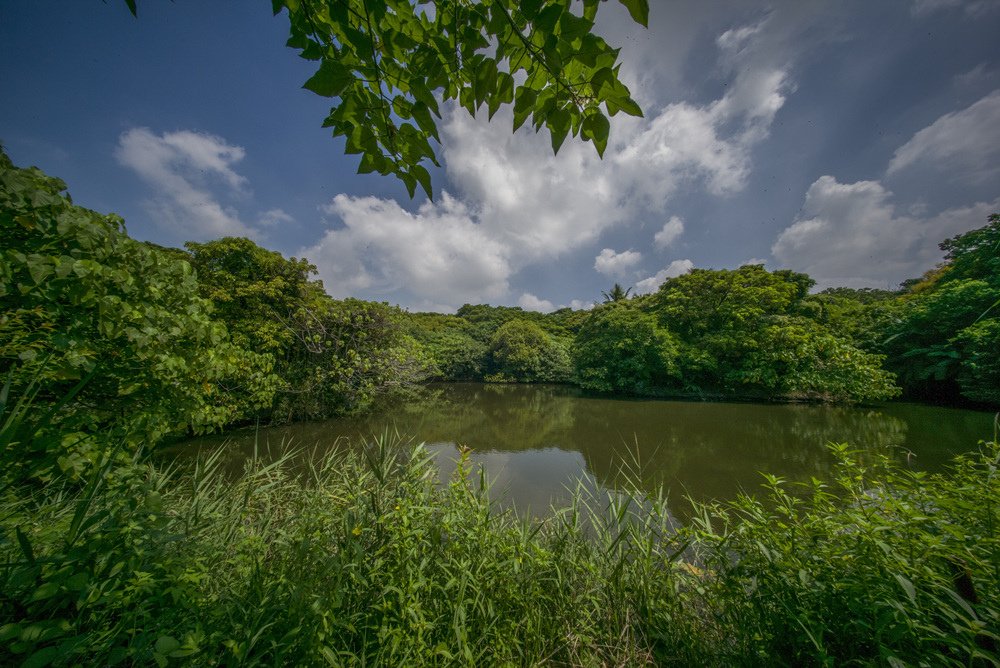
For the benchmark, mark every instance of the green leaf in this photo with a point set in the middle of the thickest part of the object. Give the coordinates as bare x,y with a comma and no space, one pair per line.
524,103
25,546
132,8
547,19
597,128
42,658
907,586
330,80
639,9
558,122
166,644
423,117
424,178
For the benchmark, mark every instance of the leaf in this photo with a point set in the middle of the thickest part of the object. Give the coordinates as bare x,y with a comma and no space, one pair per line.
132,8
25,546
558,122
42,658
596,128
424,178
524,103
639,9
330,80
911,591
166,644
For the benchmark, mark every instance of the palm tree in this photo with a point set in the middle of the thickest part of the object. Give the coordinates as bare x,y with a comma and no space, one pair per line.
616,294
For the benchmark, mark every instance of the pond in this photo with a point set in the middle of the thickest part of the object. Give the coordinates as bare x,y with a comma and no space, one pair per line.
536,441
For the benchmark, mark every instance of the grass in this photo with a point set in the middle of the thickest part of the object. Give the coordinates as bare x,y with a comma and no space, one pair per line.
362,559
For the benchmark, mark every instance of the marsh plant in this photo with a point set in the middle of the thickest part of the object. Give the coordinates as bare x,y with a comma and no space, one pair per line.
363,557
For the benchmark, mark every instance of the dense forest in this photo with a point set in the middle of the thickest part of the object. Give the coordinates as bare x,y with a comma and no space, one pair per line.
109,345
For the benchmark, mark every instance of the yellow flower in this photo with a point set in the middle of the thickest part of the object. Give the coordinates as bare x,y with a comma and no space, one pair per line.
356,530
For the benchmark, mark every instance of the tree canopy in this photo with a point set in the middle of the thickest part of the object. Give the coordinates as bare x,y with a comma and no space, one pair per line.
389,63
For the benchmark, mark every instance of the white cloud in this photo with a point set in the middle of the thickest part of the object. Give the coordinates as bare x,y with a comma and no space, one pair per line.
672,229
611,263
522,205
180,167
753,261
971,7
530,302
851,235
581,305
964,143
438,253
674,269
274,217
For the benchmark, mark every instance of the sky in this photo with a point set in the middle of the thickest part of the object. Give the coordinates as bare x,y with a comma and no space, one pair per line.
844,139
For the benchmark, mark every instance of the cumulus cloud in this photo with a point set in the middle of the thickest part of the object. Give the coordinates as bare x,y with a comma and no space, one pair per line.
530,302
611,263
671,231
523,205
964,143
438,252
182,168
673,270
581,305
851,234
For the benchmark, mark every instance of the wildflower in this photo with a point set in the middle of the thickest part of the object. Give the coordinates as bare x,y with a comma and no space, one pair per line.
356,530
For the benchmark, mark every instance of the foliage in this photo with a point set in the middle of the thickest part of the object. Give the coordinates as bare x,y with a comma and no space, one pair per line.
374,563
622,349
747,331
944,341
798,359
331,356
80,299
521,351
389,63
863,314
885,566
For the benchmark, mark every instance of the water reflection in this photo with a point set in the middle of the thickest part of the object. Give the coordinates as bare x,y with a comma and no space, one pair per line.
536,441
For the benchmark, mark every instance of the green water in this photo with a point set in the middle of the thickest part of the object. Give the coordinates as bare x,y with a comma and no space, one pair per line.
534,441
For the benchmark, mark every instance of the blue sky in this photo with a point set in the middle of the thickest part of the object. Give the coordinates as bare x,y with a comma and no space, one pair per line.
843,139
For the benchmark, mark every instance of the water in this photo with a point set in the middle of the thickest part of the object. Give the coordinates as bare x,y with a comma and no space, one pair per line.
536,441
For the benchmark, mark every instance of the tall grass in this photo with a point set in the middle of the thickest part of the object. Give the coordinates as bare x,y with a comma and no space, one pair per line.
362,558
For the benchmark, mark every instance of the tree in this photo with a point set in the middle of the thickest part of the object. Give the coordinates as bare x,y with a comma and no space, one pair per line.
331,356
389,62
616,294
944,343
621,349
748,331
521,351
82,301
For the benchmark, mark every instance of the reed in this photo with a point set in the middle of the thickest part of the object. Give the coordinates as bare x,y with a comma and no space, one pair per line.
361,557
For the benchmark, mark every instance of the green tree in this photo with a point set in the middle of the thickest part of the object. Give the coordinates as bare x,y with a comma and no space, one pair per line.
943,344
621,349
746,331
79,299
521,351
331,356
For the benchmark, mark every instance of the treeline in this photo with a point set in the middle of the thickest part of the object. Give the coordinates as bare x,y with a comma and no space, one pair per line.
751,333
149,341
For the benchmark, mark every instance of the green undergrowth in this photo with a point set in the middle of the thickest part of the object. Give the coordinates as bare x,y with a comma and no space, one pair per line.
363,558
